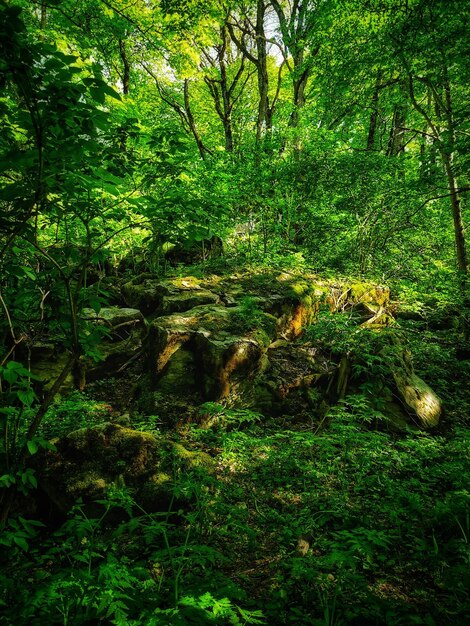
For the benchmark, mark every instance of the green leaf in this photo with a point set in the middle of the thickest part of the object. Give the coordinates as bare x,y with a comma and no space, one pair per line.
109,91
32,446
95,304
9,375
22,543
97,94
26,396
7,480
28,272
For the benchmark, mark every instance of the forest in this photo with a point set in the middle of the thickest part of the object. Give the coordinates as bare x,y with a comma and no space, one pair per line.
234,312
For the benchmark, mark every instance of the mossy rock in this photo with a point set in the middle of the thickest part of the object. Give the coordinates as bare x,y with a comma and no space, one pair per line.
89,461
114,316
157,296
368,292
419,399
193,460
291,372
220,356
127,330
47,363
420,402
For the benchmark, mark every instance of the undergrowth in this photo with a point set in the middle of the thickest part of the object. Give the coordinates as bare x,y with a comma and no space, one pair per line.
328,524
383,520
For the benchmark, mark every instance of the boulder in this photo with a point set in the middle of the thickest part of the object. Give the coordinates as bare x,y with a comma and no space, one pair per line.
89,462
292,299
114,317
124,339
419,401
220,349
47,363
162,297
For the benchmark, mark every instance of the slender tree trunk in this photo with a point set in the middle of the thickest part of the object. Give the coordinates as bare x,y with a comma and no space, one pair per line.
459,229
191,121
396,142
43,16
264,114
126,76
298,100
126,66
225,90
374,116
228,134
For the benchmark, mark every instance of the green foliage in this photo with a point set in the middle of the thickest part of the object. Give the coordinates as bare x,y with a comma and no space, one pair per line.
217,414
126,572
340,331
249,317
75,411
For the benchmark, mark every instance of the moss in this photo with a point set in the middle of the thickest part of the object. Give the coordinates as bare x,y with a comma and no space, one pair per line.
193,460
299,288
262,337
156,493
88,484
89,461
366,292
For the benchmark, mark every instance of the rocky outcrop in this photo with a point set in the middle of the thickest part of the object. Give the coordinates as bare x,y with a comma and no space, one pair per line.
218,348
124,331
239,347
238,340
89,462
233,339
162,297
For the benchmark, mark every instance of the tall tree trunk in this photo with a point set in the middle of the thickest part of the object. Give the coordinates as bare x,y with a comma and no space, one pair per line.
299,99
43,16
459,229
374,116
446,151
225,90
126,67
396,142
191,121
264,114
126,75
228,133
299,84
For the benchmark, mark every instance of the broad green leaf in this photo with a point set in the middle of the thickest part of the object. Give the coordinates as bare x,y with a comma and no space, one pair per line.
26,396
32,446
21,542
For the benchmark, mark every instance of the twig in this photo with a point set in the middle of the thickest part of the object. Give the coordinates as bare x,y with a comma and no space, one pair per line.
5,308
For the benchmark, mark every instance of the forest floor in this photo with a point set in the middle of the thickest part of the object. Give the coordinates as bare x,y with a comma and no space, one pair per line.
286,520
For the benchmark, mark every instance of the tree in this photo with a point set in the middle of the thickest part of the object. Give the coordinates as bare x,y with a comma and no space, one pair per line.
226,77
299,45
247,30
